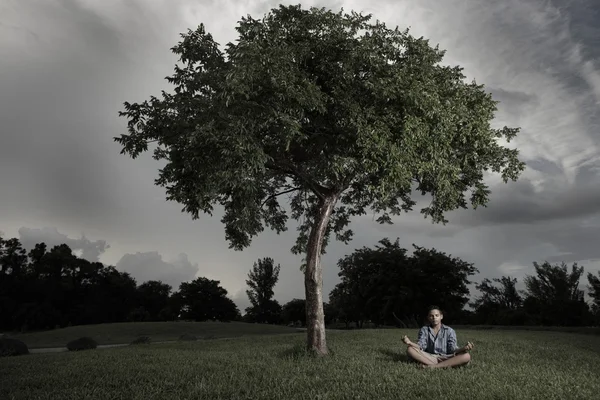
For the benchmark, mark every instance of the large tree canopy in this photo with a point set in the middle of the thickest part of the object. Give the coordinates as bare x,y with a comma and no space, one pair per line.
154,296
341,114
204,299
383,283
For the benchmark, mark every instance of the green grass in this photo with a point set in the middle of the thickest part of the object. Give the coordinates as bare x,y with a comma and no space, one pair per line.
367,364
158,331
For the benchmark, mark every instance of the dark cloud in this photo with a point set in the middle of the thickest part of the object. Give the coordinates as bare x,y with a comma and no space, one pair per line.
50,119
522,203
545,166
574,241
89,250
58,106
513,97
584,17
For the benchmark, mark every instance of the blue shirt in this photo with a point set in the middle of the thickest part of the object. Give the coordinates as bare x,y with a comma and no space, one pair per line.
444,343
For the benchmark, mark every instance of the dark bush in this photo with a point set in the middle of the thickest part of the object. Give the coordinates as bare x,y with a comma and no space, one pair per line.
186,337
12,347
84,343
141,340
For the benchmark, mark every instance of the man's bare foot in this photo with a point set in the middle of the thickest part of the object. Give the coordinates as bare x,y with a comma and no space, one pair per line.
424,366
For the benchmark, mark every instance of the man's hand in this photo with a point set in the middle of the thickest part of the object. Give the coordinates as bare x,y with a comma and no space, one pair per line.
468,347
407,342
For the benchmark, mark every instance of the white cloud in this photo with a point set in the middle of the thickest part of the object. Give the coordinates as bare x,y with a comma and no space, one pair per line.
87,249
511,269
150,266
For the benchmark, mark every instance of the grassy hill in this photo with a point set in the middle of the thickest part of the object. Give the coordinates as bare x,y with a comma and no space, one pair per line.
158,331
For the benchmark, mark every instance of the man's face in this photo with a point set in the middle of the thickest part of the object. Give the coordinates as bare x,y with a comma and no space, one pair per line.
435,317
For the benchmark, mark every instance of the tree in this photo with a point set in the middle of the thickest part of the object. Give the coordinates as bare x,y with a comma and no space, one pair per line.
594,292
111,296
382,283
262,279
204,299
139,314
293,311
330,313
499,304
45,288
505,296
449,286
346,304
153,296
554,295
13,257
340,114
40,287
365,277
269,313
13,263
174,307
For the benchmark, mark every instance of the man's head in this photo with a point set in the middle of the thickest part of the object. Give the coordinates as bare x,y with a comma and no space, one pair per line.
434,316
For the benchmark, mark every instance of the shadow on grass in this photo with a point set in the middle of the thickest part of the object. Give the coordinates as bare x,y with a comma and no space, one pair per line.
395,356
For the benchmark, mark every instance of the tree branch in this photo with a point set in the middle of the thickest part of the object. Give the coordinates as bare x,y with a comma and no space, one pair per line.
279,194
151,140
318,189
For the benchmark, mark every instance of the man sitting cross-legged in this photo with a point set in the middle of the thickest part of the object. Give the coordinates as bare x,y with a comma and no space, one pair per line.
436,345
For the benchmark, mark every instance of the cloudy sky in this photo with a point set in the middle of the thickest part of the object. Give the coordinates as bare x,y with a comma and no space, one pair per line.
67,66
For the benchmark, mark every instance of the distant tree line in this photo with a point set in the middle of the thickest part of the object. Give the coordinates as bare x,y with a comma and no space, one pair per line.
385,286
45,289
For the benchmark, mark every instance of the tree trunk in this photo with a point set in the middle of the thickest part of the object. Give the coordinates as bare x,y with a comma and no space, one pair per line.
313,280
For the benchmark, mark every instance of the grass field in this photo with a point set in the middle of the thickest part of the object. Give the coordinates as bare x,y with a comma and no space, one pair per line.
159,332
364,364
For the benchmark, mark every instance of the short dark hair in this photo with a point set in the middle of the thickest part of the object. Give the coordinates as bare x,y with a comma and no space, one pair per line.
431,308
